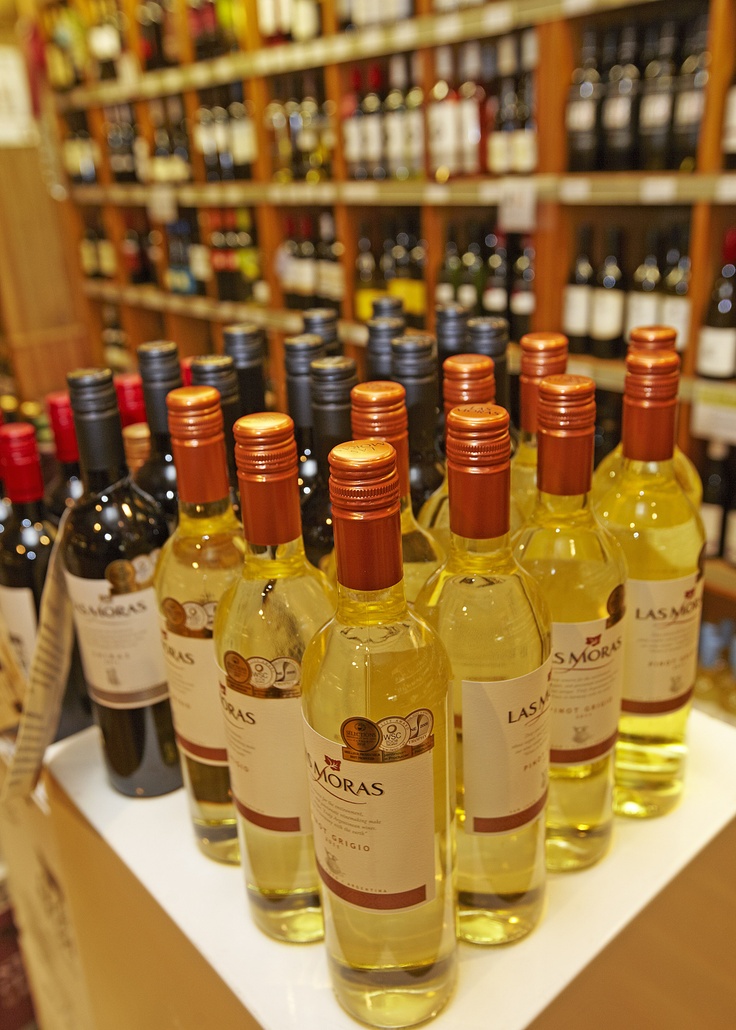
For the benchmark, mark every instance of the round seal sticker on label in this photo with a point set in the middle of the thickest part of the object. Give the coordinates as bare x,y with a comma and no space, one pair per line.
395,733
262,673
236,667
360,734
173,612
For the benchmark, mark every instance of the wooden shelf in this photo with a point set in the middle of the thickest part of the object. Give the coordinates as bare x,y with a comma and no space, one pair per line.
720,578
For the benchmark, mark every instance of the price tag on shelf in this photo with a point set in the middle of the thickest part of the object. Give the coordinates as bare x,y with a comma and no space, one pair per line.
725,189
128,70
658,189
434,193
572,7
498,18
448,28
573,190
199,262
359,192
405,35
162,206
517,204
713,412
489,191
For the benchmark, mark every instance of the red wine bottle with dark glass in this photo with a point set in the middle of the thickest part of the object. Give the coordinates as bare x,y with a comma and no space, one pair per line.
66,486
160,371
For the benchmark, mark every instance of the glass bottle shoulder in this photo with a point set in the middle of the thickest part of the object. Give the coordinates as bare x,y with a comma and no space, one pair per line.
201,558
609,468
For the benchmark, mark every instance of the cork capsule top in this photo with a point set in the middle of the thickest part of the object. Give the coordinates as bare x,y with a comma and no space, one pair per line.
468,379
543,354
264,444
478,434
653,337
91,390
363,479
378,409
59,408
652,376
20,463
194,413
566,404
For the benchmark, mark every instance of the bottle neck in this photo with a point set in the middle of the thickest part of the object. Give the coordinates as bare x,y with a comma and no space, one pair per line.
648,433
30,511
371,607
193,515
251,389
299,395
421,407
160,444
563,507
269,507
331,427
565,463
201,473
101,453
501,375
368,551
481,553
479,501
264,559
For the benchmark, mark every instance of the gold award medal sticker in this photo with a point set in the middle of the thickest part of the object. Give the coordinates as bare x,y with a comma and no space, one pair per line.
360,734
236,668
174,614
210,608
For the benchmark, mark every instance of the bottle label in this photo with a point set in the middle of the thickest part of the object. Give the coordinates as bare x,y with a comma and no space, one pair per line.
352,140
607,314
676,312
18,611
522,302
580,116
616,113
261,700
587,680
444,293
576,310
415,139
689,108
716,352
413,293
372,138
107,258
373,810
469,134
655,111
662,627
523,151
395,122
330,280
88,257
495,299
506,739
442,143
116,620
729,123
194,679
467,295
498,157
641,309
712,516
243,144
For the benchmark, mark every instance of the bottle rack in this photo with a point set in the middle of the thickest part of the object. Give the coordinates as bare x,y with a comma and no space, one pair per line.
562,199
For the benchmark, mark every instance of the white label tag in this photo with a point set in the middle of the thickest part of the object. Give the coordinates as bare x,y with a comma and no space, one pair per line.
18,609
517,206
576,310
716,352
655,111
580,116
676,312
506,744
162,206
641,309
607,318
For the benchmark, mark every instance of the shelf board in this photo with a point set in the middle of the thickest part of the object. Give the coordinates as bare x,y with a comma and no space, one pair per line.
486,20
600,188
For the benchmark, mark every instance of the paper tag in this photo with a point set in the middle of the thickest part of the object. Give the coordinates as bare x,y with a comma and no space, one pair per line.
497,18
658,189
405,35
47,681
725,190
517,205
12,682
574,191
162,206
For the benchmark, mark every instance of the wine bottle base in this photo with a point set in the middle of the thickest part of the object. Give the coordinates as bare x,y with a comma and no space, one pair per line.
497,918
573,848
649,775
286,916
218,841
394,997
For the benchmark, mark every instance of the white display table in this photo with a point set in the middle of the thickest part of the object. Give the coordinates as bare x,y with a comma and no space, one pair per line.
287,988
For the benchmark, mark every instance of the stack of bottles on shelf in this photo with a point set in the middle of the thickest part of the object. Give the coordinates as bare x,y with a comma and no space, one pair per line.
517,662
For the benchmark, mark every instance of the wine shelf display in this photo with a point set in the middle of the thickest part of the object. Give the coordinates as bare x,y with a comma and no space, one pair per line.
547,206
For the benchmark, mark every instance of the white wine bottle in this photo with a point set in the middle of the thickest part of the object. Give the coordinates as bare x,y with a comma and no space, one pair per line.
197,564
649,338
581,570
663,539
262,626
494,622
379,411
377,733
542,354
466,379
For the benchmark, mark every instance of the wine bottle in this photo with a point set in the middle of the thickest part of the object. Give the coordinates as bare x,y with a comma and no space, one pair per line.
716,355
218,370
690,87
323,323
369,284
490,335
581,571
198,563
676,306
542,354
442,101
499,160
715,496
379,412
388,307
110,543
642,299
448,276
649,338
472,275
414,365
578,296
466,379
160,372
609,302
469,109
376,713
262,625
620,106
502,756
245,344
524,149
330,270
451,325
299,353
583,106
136,445
332,379
395,118
657,102
66,486
522,298
662,537
382,330
495,291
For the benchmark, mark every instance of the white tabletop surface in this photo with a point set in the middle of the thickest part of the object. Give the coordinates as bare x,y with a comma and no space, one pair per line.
286,987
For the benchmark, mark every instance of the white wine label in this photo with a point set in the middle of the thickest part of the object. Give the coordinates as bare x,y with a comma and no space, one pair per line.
607,314
495,299
498,155
415,139
729,123
580,116
661,654
194,680
676,312
118,636
587,680
18,610
413,293
616,112
107,257
261,700
641,309
712,516
716,352
689,107
330,279
441,125
351,139
372,138
373,810
468,127
395,123
444,293
655,111
243,143
523,151
506,738
467,295
522,302
576,310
